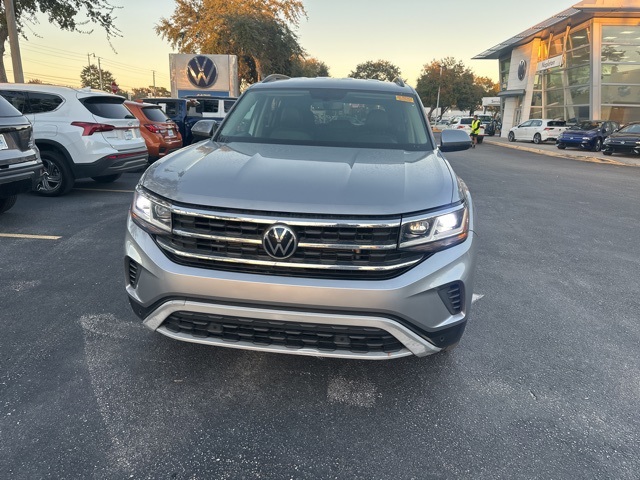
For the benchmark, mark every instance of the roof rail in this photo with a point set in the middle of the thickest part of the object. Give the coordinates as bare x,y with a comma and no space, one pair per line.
398,81
274,77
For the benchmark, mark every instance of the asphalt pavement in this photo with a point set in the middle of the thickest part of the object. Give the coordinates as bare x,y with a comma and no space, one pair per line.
545,383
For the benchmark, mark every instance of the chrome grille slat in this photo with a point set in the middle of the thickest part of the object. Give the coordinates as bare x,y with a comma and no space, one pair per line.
326,247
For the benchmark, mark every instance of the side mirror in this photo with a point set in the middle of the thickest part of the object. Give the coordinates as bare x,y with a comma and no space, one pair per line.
204,129
454,141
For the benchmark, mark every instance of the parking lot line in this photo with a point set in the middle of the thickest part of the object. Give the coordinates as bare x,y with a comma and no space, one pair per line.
103,190
34,237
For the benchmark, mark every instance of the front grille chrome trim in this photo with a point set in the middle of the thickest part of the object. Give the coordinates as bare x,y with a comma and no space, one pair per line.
252,241
294,222
314,266
413,343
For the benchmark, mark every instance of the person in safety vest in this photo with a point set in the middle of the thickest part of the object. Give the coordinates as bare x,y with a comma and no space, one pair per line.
475,131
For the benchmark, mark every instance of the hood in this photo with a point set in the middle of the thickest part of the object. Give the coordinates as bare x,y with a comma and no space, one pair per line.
303,179
624,136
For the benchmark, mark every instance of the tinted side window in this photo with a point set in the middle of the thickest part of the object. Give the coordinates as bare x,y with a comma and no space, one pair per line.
107,107
170,108
155,114
228,104
209,106
42,102
17,99
538,123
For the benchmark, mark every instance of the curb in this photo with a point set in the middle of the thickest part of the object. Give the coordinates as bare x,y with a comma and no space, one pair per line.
600,160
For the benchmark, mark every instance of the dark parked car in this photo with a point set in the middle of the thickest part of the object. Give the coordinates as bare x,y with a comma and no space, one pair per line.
20,165
588,135
624,140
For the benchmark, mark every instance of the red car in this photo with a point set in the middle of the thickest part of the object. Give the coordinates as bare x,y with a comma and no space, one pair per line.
160,133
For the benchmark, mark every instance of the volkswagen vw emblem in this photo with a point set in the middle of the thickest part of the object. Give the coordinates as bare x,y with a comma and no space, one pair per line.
279,241
201,71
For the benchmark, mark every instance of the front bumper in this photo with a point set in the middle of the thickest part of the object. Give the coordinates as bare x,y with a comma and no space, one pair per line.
409,307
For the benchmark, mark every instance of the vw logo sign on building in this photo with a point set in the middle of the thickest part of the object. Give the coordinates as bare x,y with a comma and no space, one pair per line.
522,69
202,71
204,75
279,241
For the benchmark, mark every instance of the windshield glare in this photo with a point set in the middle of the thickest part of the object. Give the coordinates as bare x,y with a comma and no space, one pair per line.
588,125
327,117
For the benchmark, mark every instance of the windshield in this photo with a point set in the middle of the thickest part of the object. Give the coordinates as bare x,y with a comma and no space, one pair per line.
327,117
587,126
634,128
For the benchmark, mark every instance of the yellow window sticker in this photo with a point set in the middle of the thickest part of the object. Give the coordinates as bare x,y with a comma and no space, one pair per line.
403,98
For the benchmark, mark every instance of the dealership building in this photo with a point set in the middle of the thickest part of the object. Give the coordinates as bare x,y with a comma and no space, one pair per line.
581,64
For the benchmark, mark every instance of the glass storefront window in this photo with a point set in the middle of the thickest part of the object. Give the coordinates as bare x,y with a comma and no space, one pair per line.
556,46
505,66
556,113
579,76
579,38
578,95
627,74
553,79
577,57
621,94
555,97
621,114
535,113
625,34
536,99
621,53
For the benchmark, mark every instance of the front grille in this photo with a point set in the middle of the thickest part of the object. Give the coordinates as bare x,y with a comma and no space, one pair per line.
329,338
327,248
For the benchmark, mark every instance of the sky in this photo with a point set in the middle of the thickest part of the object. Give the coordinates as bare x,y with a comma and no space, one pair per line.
341,33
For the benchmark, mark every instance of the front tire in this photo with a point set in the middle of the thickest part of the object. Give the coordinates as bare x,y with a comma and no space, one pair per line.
58,179
561,146
607,152
480,139
107,178
537,139
598,145
7,203
511,137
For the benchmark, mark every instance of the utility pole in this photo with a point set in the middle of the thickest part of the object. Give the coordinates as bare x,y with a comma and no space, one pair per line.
438,100
12,28
154,83
100,73
90,76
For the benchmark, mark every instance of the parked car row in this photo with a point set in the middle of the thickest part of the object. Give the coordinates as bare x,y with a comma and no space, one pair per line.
592,135
51,135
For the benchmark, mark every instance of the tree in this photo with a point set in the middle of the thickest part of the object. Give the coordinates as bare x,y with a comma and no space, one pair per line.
260,32
378,70
457,83
150,91
309,67
90,77
62,13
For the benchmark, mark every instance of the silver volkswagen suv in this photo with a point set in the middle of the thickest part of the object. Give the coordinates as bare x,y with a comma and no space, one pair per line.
321,219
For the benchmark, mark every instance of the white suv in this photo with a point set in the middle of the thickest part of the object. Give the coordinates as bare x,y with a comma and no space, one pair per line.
80,133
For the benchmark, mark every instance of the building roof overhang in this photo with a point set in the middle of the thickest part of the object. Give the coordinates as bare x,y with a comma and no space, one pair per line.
573,16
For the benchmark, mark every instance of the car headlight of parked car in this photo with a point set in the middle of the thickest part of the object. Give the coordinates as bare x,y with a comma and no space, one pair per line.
150,213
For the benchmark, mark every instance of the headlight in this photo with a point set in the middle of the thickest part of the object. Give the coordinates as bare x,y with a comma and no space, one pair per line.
150,213
586,138
436,231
